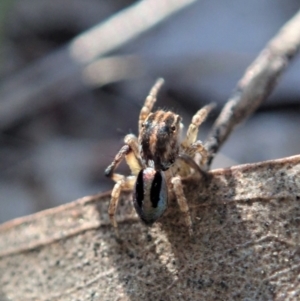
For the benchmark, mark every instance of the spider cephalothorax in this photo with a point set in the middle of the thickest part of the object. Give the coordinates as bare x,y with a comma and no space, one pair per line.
158,149
159,139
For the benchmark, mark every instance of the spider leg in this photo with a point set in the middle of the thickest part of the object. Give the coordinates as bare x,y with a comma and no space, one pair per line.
197,120
117,160
149,102
198,147
190,163
122,183
182,202
133,159
130,152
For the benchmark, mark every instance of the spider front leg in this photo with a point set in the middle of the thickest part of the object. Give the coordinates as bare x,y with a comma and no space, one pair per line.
198,147
185,163
122,183
189,144
149,102
130,152
182,202
197,120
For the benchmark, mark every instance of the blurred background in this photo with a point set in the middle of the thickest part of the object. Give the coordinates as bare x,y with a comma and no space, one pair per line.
74,75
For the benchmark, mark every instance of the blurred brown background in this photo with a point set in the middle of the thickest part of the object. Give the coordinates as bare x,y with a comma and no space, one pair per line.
62,119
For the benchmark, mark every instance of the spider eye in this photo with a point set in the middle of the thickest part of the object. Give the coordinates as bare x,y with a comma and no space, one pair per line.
173,128
143,124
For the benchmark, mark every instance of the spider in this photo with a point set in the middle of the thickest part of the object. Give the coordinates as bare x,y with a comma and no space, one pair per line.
157,160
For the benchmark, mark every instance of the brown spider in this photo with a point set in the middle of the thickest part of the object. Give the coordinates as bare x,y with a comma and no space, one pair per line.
157,160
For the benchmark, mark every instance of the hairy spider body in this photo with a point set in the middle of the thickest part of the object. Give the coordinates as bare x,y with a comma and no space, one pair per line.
158,161
159,139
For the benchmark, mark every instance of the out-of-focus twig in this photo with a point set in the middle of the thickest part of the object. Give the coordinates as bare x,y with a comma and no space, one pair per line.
123,27
257,83
40,83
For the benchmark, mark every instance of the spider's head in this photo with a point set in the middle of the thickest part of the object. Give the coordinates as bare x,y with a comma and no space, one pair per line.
159,139
150,197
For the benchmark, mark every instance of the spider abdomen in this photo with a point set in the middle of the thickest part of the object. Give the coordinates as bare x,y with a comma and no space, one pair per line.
150,196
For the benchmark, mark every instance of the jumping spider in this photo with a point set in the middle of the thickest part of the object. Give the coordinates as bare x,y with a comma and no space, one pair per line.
157,160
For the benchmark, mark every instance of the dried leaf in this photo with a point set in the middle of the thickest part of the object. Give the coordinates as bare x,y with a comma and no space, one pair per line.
246,244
